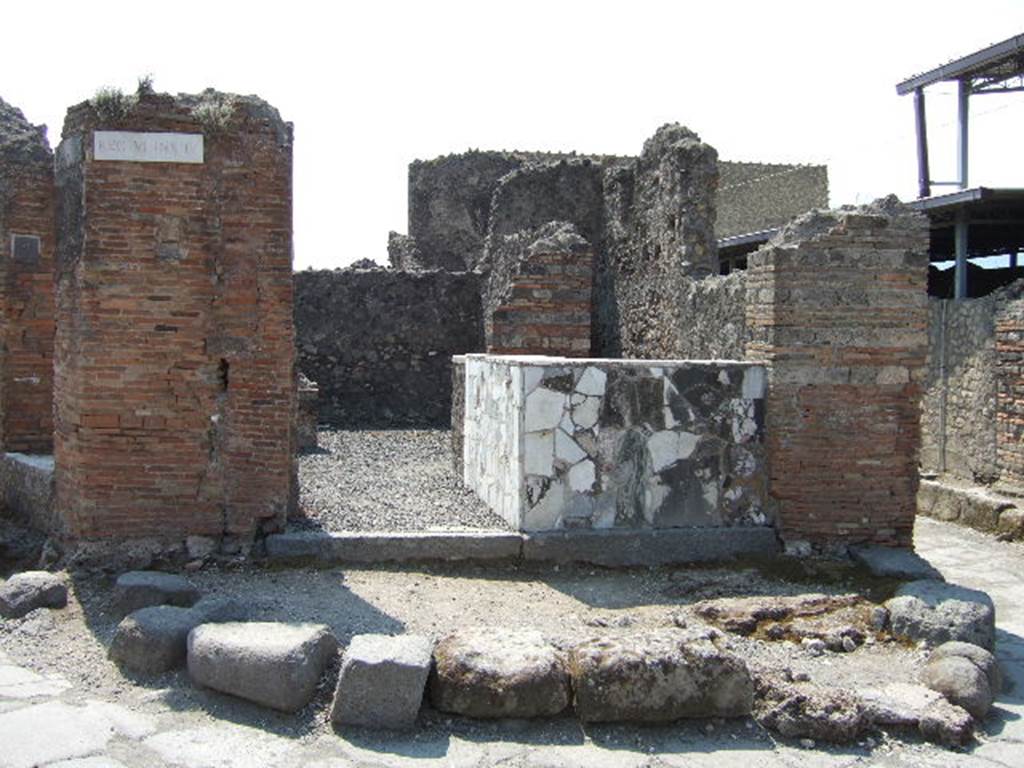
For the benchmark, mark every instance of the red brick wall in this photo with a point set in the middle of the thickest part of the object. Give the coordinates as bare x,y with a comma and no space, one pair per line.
26,296
1009,323
174,390
838,307
538,297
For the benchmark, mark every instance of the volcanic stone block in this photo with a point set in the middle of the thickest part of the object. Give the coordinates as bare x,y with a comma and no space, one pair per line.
26,591
937,612
489,673
382,681
657,676
274,664
154,640
142,589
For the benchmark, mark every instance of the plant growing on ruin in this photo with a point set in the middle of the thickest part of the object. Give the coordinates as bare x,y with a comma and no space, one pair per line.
112,104
214,112
145,86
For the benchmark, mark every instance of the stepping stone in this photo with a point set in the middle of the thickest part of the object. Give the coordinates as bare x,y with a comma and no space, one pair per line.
142,589
155,640
491,673
936,612
657,676
273,664
894,562
26,591
382,681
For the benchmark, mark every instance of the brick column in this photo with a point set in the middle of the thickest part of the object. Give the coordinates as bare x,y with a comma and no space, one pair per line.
1009,322
174,391
26,285
538,293
837,305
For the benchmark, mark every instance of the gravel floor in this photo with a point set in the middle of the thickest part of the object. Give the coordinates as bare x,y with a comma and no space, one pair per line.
394,480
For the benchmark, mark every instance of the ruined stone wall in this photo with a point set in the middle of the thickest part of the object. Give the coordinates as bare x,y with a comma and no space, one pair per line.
27,242
1009,328
972,374
379,343
713,318
174,388
961,379
659,230
537,298
836,304
450,201
756,196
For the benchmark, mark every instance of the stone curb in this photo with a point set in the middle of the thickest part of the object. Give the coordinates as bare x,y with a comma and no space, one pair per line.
614,548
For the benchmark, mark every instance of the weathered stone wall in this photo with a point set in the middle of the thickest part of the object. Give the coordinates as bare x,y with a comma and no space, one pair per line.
1009,327
26,490
973,374
756,196
713,318
659,230
537,298
961,379
174,388
551,443
379,343
451,199
26,285
836,305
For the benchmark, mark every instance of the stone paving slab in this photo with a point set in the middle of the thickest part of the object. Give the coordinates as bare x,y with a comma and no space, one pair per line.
54,731
21,683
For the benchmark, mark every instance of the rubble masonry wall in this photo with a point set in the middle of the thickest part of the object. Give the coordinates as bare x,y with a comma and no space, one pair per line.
379,343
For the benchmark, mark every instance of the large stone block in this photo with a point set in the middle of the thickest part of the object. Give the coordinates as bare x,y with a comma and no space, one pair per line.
154,640
493,673
273,664
658,676
382,681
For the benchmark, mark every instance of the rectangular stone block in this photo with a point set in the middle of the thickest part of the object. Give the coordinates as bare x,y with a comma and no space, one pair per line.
382,681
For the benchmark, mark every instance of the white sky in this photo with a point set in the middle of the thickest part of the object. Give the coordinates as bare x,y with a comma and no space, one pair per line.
371,86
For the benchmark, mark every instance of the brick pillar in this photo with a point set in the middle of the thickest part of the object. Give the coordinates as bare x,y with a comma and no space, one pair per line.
26,285
174,392
538,293
1009,324
837,305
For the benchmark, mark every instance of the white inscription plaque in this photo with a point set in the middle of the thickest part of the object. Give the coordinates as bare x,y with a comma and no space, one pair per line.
148,147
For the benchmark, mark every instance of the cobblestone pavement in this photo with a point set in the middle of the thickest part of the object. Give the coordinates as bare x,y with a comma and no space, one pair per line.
44,721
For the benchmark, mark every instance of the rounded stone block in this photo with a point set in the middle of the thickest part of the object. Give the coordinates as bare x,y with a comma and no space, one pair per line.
26,591
936,612
494,673
154,640
273,664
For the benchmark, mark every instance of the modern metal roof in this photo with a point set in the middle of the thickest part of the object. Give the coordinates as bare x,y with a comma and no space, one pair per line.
996,63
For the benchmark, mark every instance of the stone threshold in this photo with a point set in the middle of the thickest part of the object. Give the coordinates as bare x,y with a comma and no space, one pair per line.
610,548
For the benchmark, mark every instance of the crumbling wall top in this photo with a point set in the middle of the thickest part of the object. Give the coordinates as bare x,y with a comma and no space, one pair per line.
19,139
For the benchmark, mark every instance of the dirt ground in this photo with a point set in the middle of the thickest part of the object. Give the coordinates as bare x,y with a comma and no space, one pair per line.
566,604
